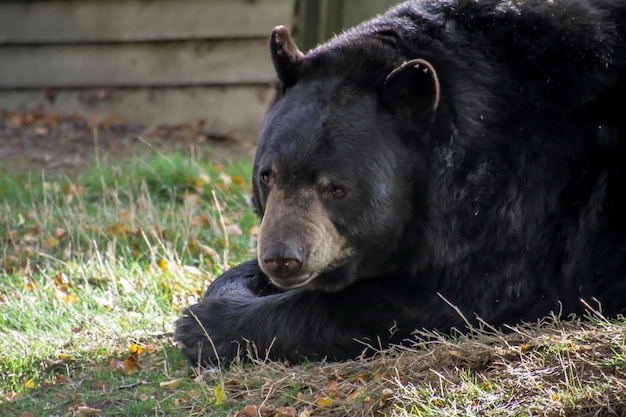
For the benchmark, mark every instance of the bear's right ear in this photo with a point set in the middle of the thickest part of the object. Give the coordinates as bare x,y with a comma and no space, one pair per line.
411,91
285,55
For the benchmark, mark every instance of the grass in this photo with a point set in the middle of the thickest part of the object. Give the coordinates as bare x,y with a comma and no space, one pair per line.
95,269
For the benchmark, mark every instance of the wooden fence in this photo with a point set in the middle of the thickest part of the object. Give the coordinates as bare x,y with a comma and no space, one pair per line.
319,20
142,61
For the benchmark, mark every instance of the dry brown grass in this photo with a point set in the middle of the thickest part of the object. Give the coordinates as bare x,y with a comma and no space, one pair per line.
550,368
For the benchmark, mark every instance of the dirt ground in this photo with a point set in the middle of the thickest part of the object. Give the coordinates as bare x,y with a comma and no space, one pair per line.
67,144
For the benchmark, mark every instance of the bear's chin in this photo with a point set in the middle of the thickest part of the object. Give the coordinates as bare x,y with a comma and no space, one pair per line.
291,283
333,280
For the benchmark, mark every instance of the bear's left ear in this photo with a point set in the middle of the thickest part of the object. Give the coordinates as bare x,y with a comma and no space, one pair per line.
285,55
412,91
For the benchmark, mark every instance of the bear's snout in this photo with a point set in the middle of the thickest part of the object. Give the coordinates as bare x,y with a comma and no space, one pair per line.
283,259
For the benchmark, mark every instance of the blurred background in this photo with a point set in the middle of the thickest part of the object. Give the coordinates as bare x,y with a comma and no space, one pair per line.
133,65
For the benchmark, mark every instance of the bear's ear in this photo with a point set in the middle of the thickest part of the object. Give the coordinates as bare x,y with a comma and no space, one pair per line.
412,91
285,55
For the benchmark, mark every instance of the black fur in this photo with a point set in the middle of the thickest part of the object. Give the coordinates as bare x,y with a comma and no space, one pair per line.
507,202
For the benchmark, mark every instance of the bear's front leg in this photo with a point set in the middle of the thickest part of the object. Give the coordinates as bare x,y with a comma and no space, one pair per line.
302,323
245,279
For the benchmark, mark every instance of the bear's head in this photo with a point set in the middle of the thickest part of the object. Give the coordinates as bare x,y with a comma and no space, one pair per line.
338,174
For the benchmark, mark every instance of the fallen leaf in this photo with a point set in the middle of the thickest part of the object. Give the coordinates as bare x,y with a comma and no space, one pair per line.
130,365
12,396
202,220
233,230
285,412
134,348
324,401
151,348
332,385
526,347
50,95
226,179
202,180
220,395
86,411
70,299
41,131
32,285
52,242
250,410
306,412
171,384
60,233
29,237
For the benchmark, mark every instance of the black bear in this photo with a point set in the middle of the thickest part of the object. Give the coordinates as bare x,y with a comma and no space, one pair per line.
445,161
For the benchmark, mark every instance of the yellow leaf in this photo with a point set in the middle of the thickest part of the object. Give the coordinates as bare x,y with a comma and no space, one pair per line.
202,180
30,384
163,264
324,402
220,395
70,299
526,347
134,348
438,402
171,384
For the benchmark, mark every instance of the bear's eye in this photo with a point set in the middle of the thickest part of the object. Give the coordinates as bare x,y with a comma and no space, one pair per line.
265,177
337,191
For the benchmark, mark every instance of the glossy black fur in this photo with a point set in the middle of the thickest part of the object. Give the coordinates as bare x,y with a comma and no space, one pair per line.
508,202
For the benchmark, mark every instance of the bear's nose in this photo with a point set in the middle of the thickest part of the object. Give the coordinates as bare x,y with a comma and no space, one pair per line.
282,259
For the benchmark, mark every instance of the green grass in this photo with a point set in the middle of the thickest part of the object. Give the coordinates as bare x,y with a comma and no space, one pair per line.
94,266
95,269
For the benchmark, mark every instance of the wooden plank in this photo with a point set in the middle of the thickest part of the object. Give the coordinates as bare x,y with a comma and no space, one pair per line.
58,21
136,64
236,110
357,11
